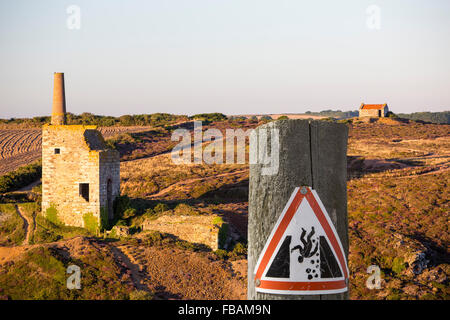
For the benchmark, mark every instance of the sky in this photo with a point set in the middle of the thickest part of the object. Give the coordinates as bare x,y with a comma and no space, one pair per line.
229,56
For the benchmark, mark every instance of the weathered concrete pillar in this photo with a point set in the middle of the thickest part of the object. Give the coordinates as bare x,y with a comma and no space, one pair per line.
311,153
59,100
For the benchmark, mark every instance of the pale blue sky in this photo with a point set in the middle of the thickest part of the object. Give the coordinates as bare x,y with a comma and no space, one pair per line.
230,56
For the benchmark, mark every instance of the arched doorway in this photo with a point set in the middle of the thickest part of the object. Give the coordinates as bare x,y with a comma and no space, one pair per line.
109,200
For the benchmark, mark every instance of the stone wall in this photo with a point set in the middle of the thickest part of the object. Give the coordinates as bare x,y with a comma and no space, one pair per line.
82,158
109,174
195,229
372,112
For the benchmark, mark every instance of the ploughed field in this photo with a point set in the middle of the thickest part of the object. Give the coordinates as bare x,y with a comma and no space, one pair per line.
398,208
19,147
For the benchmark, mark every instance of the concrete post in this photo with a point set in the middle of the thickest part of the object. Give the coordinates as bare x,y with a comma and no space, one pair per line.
312,153
59,100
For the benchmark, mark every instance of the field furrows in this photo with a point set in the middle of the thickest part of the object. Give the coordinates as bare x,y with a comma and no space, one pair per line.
15,142
20,147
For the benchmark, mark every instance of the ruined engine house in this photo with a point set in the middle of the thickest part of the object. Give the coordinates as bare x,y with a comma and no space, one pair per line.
80,174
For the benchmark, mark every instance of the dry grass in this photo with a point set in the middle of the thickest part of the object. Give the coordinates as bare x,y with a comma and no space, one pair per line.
159,177
398,209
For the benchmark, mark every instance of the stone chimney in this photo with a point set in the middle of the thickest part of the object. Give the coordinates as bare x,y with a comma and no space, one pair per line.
59,100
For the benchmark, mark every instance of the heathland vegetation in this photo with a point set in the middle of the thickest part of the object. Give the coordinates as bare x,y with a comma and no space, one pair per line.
398,173
433,117
155,119
20,177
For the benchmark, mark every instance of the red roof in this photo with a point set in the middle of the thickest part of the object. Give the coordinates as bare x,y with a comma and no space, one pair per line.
372,106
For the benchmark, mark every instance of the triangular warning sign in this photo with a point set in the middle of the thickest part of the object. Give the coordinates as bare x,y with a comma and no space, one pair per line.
303,254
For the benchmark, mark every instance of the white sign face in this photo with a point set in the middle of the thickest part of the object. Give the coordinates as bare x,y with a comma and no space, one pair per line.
303,254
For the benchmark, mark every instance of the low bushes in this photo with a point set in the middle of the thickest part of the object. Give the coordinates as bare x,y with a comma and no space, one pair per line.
21,177
47,231
11,226
209,117
239,252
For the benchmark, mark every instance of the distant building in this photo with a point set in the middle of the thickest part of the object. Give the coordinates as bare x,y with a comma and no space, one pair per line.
80,175
373,110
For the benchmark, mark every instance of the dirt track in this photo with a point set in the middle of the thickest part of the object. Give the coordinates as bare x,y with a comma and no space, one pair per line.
134,269
190,181
26,225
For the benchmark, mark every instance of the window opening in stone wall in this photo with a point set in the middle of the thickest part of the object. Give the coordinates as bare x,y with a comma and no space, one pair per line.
57,151
84,191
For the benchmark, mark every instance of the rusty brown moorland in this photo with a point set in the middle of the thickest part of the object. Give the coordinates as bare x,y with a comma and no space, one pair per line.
398,207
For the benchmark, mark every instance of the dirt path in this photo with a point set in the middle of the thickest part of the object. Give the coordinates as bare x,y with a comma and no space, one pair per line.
433,170
11,253
436,171
186,182
30,186
26,225
134,269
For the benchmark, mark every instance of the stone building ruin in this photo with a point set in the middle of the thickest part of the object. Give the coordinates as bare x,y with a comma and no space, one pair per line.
80,175
373,110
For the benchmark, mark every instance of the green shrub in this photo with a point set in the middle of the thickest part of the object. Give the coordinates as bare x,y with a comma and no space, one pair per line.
345,121
141,295
394,295
209,117
40,273
161,207
128,213
24,280
201,189
14,197
185,209
121,203
149,213
52,215
240,249
113,234
390,114
217,221
398,265
433,117
153,238
11,226
185,245
123,138
104,219
90,222
37,189
20,177
283,118
221,254
122,223
46,231
223,234
86,118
